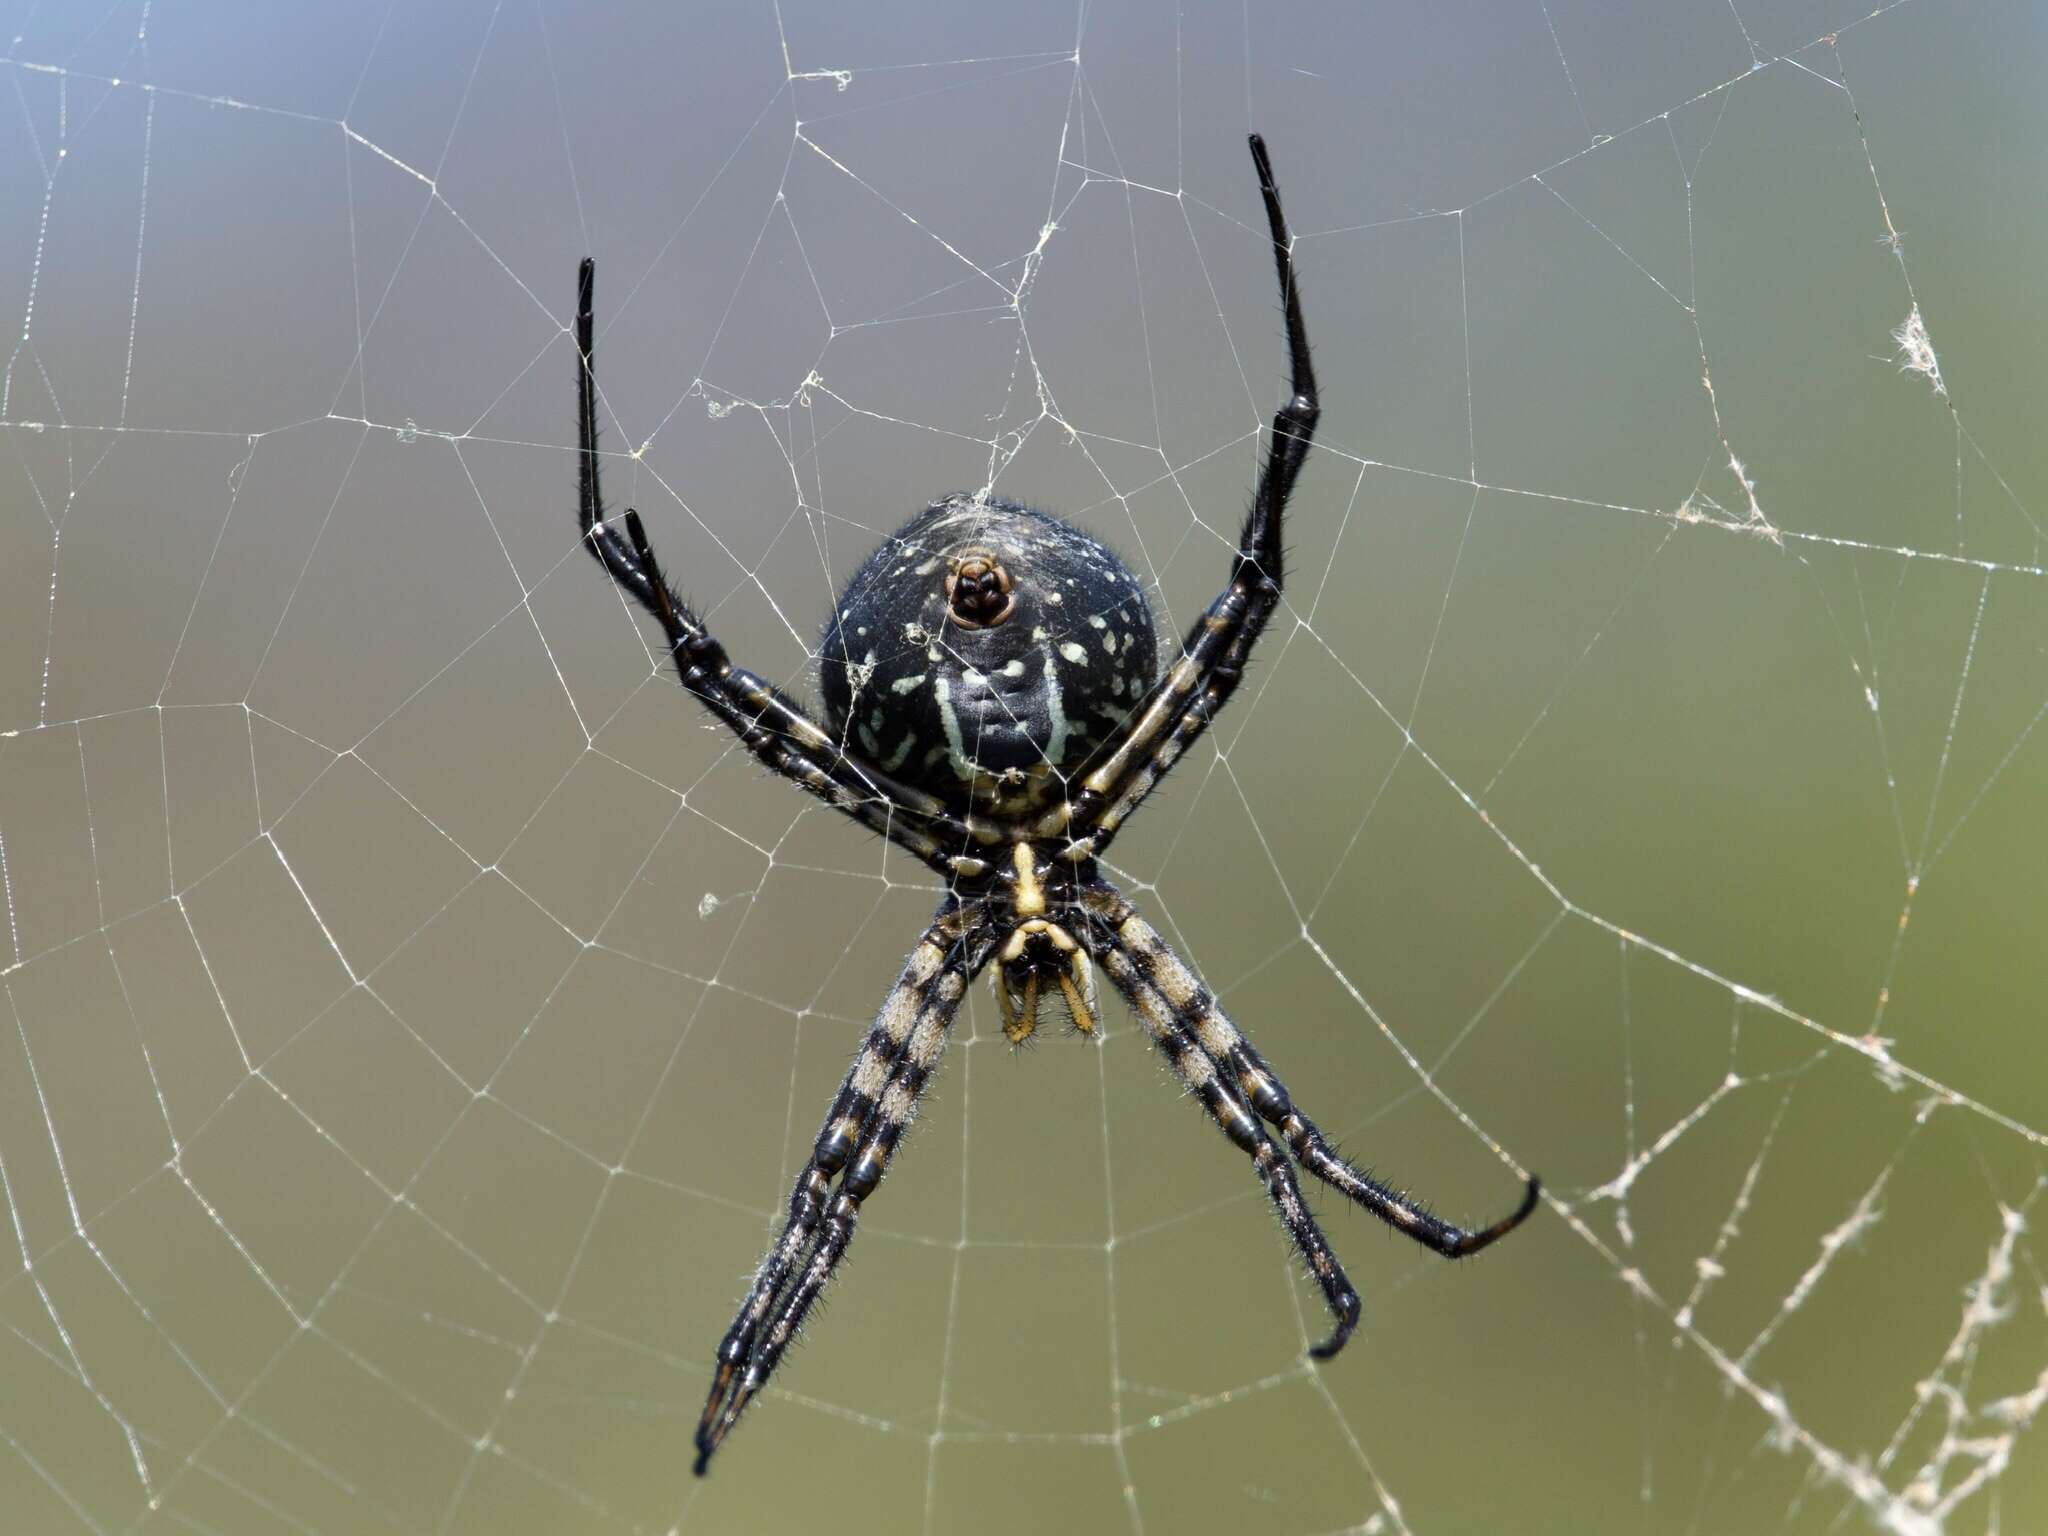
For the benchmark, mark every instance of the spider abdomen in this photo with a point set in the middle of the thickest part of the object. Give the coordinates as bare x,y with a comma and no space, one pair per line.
984,649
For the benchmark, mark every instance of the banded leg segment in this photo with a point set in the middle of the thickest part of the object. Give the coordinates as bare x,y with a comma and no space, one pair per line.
874,1106
1194,690
1169,1024
1164,752
1313,1151
772,725
1205,1020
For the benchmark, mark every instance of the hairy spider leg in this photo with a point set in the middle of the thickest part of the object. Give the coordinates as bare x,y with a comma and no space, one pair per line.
772,725
1313,1151
874,1106
1198,1015
1172,1031
1193,691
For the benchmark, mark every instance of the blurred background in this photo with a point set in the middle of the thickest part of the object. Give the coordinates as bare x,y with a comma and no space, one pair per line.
415,1010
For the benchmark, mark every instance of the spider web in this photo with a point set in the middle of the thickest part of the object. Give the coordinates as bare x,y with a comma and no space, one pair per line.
416,1011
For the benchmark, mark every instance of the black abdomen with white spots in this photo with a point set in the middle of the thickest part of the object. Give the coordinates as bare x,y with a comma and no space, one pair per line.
983,650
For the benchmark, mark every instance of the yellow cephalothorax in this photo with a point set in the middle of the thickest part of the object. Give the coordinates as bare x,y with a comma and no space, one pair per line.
1036,949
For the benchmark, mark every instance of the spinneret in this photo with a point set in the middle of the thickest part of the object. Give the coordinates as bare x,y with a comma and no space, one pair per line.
994,706
978,591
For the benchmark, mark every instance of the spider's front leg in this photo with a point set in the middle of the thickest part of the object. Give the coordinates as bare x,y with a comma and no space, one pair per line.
1239,1089
1160,1002
874,1106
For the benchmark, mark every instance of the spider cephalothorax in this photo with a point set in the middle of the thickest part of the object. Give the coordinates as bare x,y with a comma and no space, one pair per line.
1040,958
984,649
994,707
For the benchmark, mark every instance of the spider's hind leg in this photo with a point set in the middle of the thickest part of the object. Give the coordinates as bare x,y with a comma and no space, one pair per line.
1189,694
769,723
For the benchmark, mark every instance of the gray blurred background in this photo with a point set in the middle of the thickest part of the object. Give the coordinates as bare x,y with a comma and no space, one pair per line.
415,1012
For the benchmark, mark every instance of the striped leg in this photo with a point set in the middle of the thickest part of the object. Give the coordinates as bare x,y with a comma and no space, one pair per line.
1179,707
1310,1148
1150,980
1145,771
1196,1007
772,725
873,1108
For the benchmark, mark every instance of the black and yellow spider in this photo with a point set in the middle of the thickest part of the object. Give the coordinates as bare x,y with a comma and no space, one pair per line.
993,704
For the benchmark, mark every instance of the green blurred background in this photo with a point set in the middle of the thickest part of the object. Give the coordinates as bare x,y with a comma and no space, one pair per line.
416,1013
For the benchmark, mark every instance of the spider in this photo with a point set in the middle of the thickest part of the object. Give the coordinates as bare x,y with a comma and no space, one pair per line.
993,704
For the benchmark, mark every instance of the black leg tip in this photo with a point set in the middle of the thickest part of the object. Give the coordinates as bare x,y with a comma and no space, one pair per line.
1331,1347
706,1442
1471,1242
1347,1324
1261,160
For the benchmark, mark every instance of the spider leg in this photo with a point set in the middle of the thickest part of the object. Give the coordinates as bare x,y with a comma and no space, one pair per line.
1313,1151
772,725
874,1106
1193,691
1207,1022
1154,997
1177,1007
